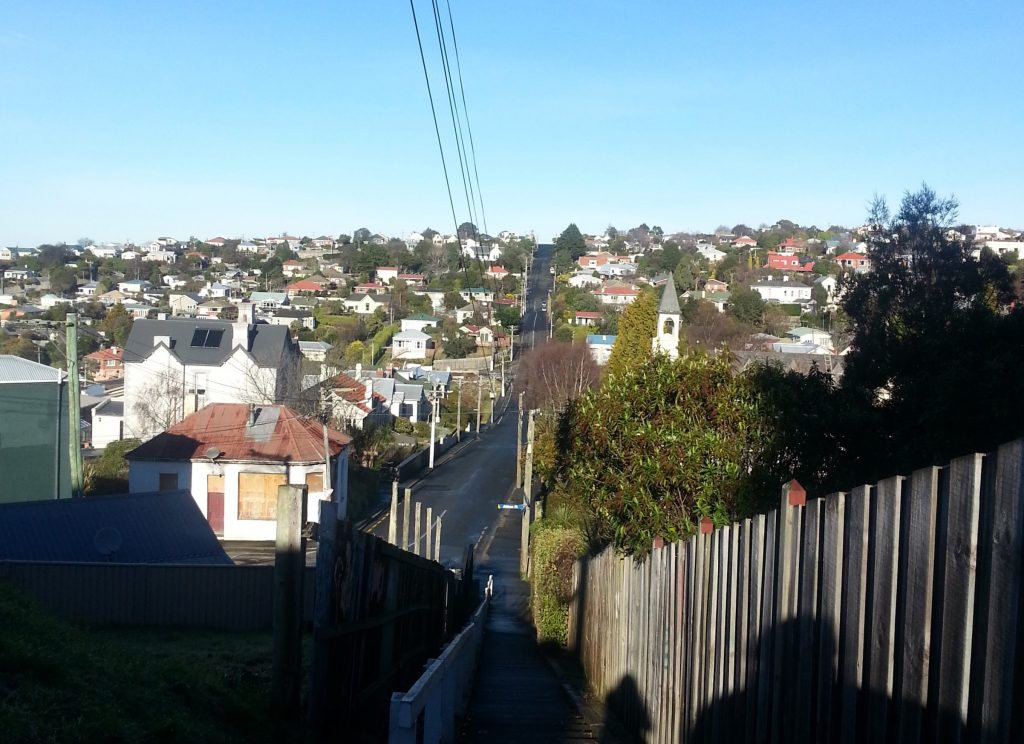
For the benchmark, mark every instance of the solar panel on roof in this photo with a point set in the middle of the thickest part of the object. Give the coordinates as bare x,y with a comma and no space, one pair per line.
213,339
199,337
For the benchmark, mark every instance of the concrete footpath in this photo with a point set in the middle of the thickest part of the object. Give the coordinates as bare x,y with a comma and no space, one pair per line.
518,696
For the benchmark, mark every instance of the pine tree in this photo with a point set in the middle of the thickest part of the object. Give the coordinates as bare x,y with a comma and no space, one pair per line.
636,329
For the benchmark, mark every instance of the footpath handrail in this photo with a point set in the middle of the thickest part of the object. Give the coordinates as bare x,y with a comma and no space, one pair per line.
441,692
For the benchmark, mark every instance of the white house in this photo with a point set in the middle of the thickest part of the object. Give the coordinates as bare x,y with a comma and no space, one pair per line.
175,367
411,345
616,269
814,336
784,292
387,274
419,321
367,304
268,300
233,458
712,254
133,286
107,423
584,280
617,296
600,348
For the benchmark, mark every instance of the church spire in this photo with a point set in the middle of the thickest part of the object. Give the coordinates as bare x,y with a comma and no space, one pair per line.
666,334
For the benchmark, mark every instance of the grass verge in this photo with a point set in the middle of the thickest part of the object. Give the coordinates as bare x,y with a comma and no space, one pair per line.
61,683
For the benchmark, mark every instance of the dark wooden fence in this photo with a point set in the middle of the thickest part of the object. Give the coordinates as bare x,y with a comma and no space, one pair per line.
221,597
380,614
889,613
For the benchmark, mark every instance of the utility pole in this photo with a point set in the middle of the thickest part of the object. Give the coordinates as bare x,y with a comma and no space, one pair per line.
458,414
524,535
519,445
74,408
512,346
433,426
503,376
479,401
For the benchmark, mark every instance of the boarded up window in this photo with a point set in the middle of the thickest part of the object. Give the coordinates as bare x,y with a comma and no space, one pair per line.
215,484
257,495
315,482
168,481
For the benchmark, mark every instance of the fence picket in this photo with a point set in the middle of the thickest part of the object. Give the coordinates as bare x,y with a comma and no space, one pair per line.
958,595
1004,599
885,548
851,618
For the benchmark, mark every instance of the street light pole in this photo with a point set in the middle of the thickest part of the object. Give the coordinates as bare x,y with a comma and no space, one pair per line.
479,401
458,415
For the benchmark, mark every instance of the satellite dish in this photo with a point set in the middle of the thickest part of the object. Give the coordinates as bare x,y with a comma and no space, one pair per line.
107,540
213,453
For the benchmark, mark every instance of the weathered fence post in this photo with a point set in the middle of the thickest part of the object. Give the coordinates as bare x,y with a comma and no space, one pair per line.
289,563
393,515
405,518
416,531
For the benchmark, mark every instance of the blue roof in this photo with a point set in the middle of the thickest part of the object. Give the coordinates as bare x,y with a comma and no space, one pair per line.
600,340
145,528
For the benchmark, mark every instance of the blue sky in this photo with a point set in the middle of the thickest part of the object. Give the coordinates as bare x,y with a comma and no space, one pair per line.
129,120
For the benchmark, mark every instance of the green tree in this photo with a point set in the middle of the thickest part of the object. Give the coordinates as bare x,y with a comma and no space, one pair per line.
117,325
459,345
938,336
636,330
569,246
654,451
354,353
746,306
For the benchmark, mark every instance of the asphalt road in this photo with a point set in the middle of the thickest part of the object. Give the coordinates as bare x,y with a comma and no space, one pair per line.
468,483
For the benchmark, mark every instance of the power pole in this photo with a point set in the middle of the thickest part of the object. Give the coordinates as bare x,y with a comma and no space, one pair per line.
458,414
502,376
74,408
519,446
479,401
433,426
524,535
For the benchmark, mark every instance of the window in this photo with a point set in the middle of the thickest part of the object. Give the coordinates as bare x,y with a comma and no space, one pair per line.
168,482
257,495
315,482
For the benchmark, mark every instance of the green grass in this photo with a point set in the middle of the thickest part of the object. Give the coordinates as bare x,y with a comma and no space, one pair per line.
61,683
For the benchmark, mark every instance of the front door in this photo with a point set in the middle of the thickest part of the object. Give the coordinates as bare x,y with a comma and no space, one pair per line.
215,503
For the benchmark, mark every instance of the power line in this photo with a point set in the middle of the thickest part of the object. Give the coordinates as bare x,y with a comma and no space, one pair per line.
465,112
433,113
453,109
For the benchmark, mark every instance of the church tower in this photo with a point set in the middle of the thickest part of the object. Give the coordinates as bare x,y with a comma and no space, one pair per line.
666,333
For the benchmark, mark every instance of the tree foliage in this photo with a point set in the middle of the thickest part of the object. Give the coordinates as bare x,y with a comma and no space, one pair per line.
637,325
653,451
746,305
569,246
938,338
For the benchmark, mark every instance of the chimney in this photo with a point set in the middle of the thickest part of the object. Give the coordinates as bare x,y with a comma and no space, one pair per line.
241,329
359,370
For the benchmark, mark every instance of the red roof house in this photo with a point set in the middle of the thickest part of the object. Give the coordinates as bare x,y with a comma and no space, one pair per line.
109,363
232,457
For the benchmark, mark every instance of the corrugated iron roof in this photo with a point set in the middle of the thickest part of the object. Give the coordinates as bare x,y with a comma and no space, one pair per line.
140,528
14,369
278,435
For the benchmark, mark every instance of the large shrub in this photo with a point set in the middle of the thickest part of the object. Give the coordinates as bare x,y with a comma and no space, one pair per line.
554,549
658,448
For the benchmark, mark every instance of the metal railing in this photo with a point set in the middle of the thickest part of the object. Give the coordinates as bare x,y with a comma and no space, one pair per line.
442,691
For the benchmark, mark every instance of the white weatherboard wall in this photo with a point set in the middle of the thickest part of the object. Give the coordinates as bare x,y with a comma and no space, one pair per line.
144,476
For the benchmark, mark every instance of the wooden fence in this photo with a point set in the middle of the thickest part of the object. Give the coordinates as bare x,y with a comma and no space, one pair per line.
889,613
380,614
221,597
